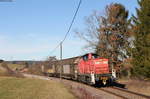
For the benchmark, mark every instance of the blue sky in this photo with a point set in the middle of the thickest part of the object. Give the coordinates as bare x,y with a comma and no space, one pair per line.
30,29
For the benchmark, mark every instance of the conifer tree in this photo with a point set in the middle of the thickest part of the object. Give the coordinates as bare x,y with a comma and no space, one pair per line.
141,50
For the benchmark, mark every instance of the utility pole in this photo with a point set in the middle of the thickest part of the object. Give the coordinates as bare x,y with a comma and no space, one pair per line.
60,60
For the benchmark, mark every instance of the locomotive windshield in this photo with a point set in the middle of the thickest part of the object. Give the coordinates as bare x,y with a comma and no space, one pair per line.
94,56
90,56
85,57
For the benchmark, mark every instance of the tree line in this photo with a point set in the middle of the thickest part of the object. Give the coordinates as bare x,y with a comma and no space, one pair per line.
124,40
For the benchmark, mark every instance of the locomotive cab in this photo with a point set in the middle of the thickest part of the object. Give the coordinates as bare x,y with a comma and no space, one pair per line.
94,69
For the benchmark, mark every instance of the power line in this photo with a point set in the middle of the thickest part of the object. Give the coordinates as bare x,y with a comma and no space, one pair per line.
55,48
72,21
61,42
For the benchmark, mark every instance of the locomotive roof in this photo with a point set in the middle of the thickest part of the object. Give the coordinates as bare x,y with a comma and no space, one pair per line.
74,57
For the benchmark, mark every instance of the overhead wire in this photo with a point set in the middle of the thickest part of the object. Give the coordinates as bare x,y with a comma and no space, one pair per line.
61,42
72,21
55,48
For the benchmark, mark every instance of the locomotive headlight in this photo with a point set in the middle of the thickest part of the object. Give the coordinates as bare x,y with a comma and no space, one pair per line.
104,82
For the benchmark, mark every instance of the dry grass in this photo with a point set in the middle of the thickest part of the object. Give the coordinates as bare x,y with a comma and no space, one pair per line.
138,86
23,88
14,66
5,70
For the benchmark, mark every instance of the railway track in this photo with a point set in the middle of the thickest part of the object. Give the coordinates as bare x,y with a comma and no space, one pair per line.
124,93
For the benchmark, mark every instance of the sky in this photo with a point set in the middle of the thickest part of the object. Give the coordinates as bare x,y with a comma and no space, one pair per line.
31,29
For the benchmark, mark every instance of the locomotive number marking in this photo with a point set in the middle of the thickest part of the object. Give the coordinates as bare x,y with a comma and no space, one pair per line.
103,78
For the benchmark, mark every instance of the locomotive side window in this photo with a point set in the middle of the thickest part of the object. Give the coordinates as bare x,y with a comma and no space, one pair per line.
85,57
94,56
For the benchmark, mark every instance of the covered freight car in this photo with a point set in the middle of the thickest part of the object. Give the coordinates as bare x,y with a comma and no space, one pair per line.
66,68
69,68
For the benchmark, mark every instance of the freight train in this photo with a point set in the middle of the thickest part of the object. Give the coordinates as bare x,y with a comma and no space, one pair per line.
89,68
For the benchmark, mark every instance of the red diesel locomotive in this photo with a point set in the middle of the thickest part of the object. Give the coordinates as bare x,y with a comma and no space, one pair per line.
94,70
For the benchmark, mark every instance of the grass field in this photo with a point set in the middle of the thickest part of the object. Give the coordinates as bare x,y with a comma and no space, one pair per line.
14,66
3,71
24,88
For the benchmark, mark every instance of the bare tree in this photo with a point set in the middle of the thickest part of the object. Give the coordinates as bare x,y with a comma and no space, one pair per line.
91,34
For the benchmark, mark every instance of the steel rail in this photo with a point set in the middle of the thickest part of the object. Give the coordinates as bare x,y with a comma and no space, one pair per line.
131,92
110,92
